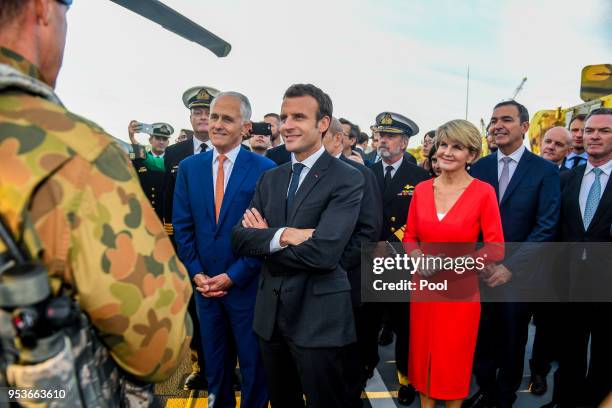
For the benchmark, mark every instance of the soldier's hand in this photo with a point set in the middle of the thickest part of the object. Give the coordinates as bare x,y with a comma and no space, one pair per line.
253,219
133,127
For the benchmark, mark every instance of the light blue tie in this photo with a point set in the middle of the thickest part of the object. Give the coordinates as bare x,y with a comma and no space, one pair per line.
592,199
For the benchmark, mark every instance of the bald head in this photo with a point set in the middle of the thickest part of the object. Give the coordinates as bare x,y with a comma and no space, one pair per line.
556,144
332,141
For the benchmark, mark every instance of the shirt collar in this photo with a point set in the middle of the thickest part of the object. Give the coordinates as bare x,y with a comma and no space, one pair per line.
231,155
606,168
310,160
157,155
584,155
516,155
337,156
197,143
395,165
20,63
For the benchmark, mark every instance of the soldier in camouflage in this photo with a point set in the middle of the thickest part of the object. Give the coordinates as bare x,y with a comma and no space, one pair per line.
98,235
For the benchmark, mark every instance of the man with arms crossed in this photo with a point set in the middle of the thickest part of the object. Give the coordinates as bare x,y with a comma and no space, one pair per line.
299,222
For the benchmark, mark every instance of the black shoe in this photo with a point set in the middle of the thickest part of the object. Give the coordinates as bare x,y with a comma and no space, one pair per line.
406,394
537,385
386,336
195,381
478,400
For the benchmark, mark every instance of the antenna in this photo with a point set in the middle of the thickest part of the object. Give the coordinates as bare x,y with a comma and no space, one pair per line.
519,88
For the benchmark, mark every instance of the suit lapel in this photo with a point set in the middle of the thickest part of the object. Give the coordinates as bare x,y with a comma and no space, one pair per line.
519,173
573,203
239,173
399,180
279,185
316,173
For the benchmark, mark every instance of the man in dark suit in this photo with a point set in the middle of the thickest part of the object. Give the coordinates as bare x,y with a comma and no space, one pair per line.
279,154
527,187
301,218
554,147
212,192
586,219
396,178
367,230
577,156
197,100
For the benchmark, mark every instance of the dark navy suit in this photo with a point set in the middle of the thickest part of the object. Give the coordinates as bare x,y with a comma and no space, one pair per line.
204,246
529,211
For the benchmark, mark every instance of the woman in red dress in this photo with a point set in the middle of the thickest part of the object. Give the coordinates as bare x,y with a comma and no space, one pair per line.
453,207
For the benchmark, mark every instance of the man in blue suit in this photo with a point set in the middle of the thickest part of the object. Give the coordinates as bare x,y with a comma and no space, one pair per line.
528,191
213,189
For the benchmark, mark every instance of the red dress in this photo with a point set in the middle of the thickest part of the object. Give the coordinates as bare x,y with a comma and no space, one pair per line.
443,334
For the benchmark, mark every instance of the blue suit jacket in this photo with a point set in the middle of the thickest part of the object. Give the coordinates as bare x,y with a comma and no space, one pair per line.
203,245
530,207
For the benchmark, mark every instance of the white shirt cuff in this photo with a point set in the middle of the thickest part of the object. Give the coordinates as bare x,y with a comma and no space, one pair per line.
275,245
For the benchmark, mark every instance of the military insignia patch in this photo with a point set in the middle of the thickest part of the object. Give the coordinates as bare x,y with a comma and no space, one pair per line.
386,120
203,95
407,191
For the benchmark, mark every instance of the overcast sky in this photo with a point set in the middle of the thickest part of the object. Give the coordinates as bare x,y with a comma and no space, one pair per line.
406,56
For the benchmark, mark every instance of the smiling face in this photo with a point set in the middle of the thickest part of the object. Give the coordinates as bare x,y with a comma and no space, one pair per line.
598,137
507,129
226,126
300,128
453,156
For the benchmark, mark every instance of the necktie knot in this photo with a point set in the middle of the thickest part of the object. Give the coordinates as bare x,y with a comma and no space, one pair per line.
222,159
506,160
389,169
297,168
203,147
597,171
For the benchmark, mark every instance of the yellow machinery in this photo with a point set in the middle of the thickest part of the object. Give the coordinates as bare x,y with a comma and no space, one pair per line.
595,91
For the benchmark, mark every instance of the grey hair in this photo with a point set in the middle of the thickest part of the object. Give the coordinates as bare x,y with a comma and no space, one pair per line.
334,126
245,105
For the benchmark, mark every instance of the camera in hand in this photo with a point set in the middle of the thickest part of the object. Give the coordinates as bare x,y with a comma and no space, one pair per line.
261,128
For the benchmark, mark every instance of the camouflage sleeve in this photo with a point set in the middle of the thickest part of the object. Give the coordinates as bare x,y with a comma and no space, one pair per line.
128,277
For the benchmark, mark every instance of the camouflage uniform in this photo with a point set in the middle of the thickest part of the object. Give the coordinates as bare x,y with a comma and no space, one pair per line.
101,238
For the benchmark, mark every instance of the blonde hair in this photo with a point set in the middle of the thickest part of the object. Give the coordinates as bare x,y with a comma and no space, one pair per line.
462,132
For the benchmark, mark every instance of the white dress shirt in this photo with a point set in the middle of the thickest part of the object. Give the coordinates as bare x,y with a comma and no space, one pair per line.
395,166
228,165
515,156
197,144
589,178
308,163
